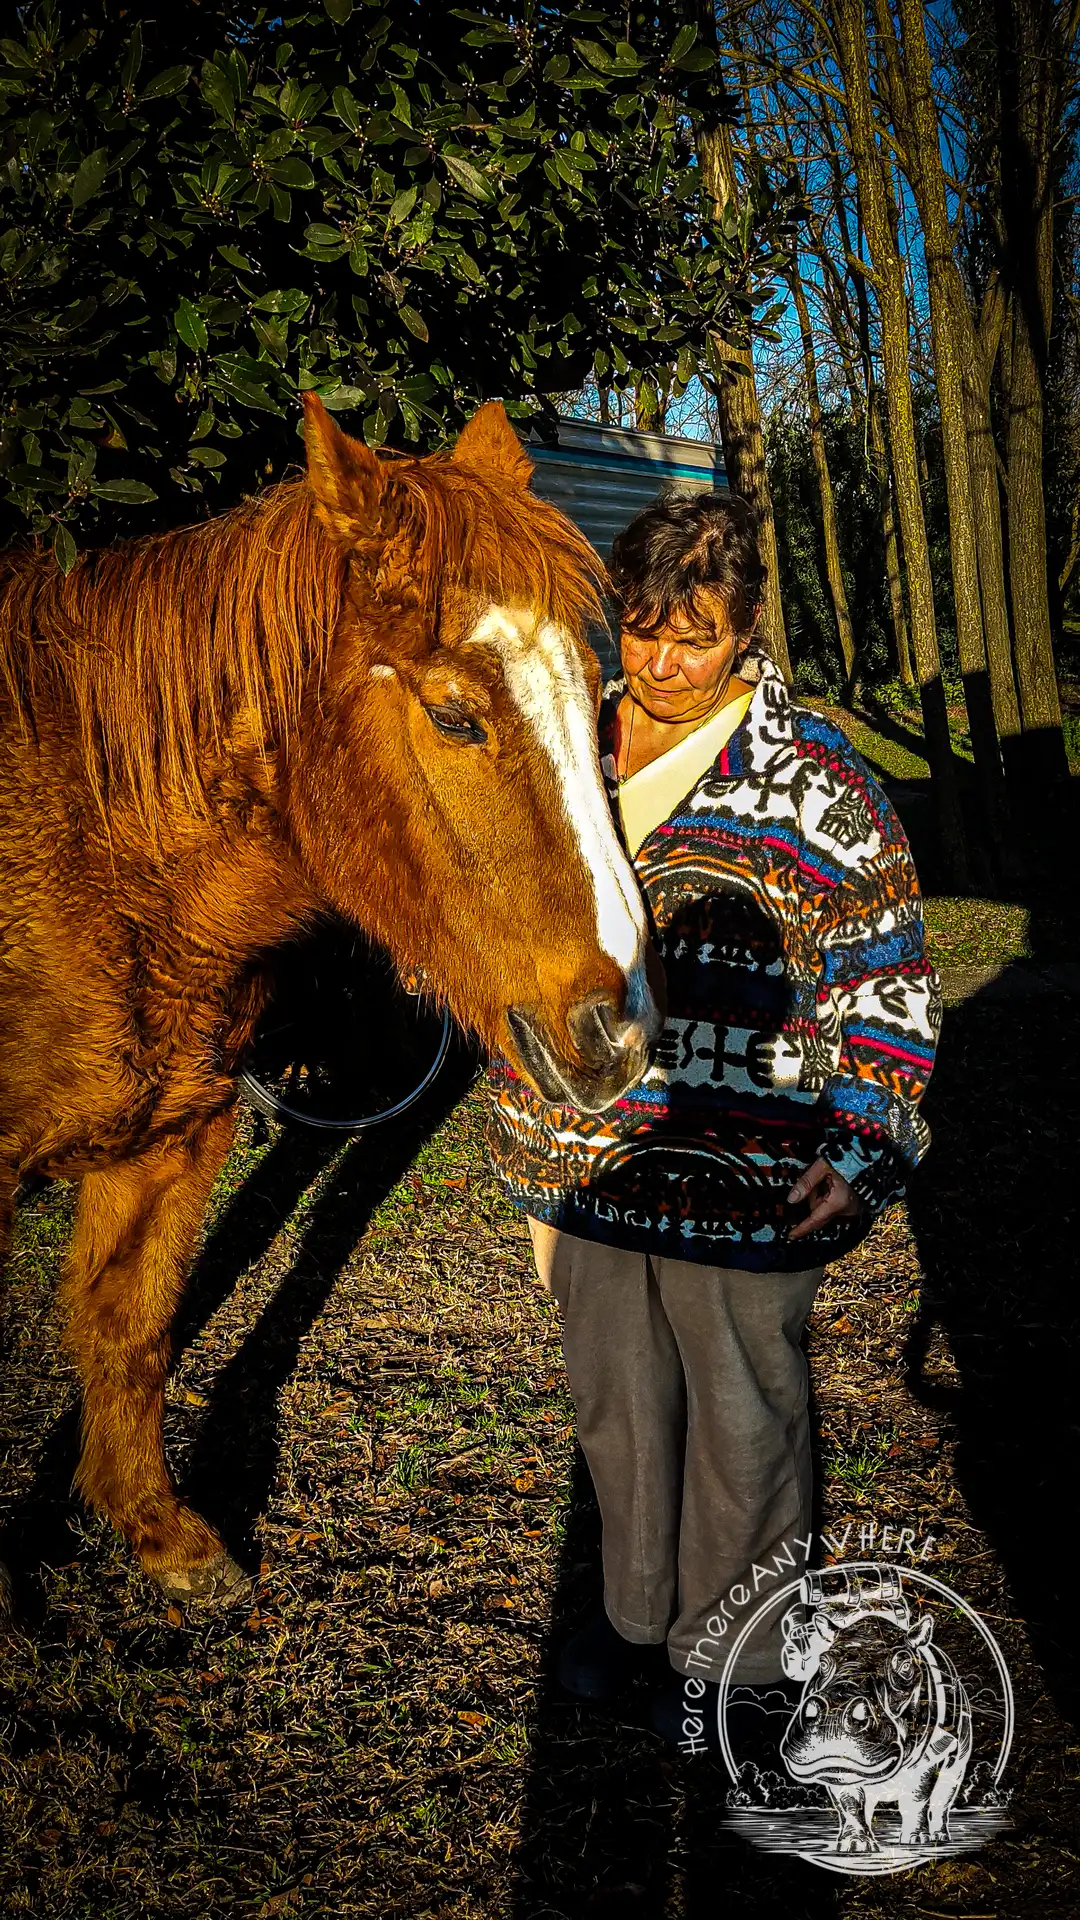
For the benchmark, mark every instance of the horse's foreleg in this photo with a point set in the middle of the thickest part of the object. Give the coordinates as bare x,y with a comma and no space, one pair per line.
136,1227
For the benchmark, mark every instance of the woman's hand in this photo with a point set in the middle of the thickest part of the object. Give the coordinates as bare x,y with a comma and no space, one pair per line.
829,1195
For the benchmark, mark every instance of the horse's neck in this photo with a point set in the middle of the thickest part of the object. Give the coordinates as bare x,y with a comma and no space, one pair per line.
246,897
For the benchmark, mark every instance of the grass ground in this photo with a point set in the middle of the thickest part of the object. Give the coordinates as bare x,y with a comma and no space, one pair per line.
887,729
370,1402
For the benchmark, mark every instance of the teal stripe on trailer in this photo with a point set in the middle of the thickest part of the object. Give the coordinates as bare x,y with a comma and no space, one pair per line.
586,461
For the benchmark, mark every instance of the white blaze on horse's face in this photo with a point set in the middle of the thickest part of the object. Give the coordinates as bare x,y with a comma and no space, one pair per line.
545,678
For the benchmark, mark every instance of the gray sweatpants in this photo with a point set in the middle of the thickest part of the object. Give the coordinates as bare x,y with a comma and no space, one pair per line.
690,1387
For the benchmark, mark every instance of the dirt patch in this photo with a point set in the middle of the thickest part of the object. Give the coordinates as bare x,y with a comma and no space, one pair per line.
371,1403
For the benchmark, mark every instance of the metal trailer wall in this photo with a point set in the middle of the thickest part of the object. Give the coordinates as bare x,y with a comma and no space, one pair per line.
602,476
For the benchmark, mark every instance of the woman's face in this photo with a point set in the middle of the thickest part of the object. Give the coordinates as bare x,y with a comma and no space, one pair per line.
681,672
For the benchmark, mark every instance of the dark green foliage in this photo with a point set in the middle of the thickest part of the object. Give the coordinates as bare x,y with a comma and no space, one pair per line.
808,609
408,209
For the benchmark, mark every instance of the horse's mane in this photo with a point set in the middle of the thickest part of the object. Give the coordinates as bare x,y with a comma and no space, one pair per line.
143,654
148,649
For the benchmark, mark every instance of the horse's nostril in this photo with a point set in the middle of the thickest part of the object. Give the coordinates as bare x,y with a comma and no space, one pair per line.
605,1060
599,1031
607,1014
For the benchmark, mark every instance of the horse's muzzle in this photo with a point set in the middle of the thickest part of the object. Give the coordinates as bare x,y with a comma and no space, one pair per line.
613,1051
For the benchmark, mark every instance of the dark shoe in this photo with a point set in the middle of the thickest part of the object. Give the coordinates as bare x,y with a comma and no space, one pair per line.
597,1663
686,1719
755,1717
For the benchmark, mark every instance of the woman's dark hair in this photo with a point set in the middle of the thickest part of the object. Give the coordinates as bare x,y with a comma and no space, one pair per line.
680,548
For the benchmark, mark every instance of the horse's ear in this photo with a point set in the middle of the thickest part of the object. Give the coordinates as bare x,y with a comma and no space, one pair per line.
348,480
488,440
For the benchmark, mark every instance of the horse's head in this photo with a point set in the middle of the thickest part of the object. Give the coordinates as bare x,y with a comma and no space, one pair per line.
448,793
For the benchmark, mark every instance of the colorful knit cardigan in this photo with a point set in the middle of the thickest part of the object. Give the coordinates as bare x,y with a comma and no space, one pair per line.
802,1015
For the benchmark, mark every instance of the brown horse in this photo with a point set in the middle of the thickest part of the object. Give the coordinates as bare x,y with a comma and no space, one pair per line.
365,690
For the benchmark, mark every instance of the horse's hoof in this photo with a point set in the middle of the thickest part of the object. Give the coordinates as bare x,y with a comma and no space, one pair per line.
217,1582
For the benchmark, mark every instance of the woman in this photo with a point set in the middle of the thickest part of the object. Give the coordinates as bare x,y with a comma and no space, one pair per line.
684,1233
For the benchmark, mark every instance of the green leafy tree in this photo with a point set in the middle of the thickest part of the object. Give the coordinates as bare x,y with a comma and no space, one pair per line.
407,209
818,664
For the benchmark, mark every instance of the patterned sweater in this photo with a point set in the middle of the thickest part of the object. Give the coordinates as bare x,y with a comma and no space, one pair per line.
802,1015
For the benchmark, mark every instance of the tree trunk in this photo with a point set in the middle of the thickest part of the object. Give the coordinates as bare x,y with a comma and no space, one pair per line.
830,530
1033,653
743,442
878,453
882,467
1033,40
739,412
843,331
890,536
982,453
952,339
923,462
878,217
648,408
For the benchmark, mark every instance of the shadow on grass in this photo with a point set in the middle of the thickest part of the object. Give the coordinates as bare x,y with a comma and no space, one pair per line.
234,1461
235,1456
996,1214
884,721
613,1817
597,1829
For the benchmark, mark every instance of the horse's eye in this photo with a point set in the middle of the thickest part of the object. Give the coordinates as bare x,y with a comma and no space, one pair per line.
457,725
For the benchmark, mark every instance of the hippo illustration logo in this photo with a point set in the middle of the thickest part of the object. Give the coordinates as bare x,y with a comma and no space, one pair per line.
884,1716
893,1748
